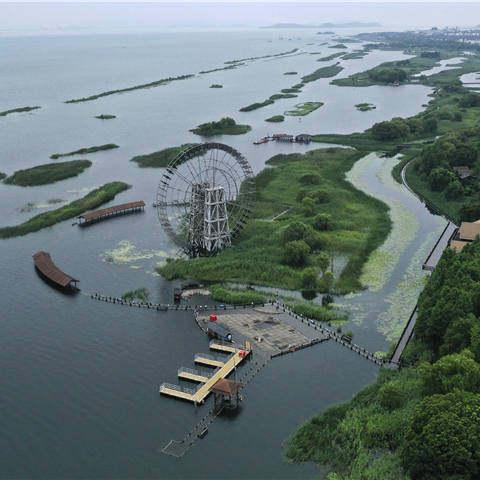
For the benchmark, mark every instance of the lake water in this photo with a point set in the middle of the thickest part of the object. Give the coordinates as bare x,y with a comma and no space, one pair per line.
80,378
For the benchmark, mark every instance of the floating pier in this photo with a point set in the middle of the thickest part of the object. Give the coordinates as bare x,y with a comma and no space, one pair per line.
105,213
207,382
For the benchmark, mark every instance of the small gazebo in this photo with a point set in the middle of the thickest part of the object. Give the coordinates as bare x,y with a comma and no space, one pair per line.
226,394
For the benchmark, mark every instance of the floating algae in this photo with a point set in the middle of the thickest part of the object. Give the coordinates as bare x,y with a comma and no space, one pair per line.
126,252
383,260
403,299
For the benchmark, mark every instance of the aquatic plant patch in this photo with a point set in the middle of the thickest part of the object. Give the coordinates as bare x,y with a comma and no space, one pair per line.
302,109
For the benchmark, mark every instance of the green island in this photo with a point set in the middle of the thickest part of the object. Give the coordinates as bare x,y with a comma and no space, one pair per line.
219,69
225,126
275,119
257,105
18,110
323,72
85,151
105,116
291,73
355,55
281,54
406,71
365,107
92,200
216,85
48,173
156,83
141,294
161,158
420,422
294,251
302,109
331,57
338,45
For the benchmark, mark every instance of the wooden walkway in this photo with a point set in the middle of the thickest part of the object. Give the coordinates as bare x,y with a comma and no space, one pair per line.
224,369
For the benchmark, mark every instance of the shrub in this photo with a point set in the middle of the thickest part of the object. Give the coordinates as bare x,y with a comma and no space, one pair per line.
296,253
310,179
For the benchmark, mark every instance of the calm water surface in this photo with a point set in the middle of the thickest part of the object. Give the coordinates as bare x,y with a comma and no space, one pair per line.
79,395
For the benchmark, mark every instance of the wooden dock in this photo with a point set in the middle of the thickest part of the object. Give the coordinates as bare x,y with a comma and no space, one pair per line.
224,368
99,215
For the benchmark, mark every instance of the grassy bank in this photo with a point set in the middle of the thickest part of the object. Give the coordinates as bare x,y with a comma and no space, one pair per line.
225,126
156,83
18,110
90,201
48,173
162,158
329,315
305,185
85,151
234,296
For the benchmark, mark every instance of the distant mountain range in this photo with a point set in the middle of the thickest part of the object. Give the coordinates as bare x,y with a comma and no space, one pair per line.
324,25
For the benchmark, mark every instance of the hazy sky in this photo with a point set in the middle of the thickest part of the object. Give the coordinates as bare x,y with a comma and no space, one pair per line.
85,16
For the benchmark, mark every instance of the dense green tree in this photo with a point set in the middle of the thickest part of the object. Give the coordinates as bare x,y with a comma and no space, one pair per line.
439,178
322,222
458,334
320,196
465,154
447,304
328,280
454,189
443,439
309,279
388,75
294,231
296,253
458,371
470,211
394,129
323,261
308,205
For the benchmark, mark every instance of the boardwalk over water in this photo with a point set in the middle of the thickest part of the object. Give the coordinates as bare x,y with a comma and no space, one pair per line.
105,213
224,368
